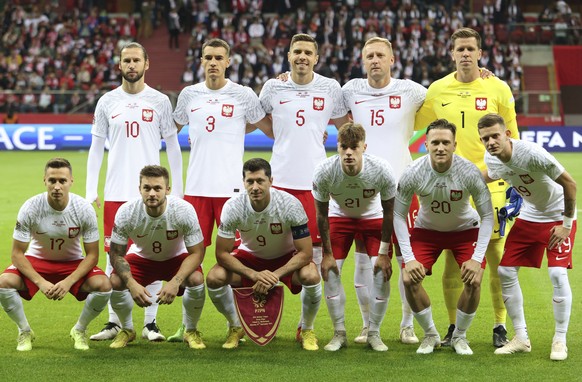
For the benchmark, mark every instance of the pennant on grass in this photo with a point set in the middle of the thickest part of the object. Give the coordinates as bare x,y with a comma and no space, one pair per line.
259,315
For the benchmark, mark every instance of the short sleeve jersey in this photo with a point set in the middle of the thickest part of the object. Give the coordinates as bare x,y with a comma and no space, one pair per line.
135,125
388,116
532,171
266,234
354,196
55,235
300,115
157,238
217,120
464,104
444,197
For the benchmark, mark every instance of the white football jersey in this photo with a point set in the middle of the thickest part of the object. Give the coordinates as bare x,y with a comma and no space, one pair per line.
532,171
444,197
55,235
266,234
159,238
135,125
388,115
217,121
300,114
354,196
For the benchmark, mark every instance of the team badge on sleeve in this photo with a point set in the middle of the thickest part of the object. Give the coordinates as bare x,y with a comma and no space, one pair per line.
395,102
276,228
259,315
147,115
480,103
456,195
318,103
74,232
227,110
171,234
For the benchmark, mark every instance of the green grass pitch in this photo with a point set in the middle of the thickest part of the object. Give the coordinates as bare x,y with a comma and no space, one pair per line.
54,359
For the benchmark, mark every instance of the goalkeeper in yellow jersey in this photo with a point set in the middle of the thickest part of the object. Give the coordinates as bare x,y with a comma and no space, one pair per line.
462,98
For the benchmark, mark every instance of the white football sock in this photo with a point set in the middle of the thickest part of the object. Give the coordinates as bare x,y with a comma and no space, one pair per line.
12,305
562,301
94,305
310,301
424,319
223,299
363,281
463,323
379,301
407,316
122,304
112,315
513,298
335,298
318,257
150,312
192,304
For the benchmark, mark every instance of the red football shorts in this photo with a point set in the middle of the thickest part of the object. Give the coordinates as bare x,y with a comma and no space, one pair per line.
109,211
308,203
146,271
208,210
527,241
258,264
427,246
342,232
54,271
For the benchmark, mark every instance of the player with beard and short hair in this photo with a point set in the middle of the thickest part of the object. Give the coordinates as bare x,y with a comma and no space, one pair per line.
167,245
134,117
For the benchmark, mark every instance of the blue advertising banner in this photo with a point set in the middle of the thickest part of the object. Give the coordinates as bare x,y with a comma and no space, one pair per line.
24,137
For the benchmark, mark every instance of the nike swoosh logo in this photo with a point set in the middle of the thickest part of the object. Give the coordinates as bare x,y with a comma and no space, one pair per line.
115,116
41,233
380,299
445,104
244,230
140,236
330,297
193,110
284,102
424,196
558,258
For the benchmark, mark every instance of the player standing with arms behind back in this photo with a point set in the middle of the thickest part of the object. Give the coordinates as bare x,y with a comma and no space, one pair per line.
135,118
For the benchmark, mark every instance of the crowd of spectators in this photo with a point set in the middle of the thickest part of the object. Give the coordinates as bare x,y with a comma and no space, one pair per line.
60,62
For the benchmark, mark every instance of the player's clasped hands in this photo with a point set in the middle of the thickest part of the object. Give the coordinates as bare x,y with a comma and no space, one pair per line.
54,291
264,281
470,271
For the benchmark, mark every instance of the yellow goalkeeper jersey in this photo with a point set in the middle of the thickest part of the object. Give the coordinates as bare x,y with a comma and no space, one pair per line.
464,104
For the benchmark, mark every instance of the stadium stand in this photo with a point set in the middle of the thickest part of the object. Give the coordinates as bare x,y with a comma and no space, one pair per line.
59,56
